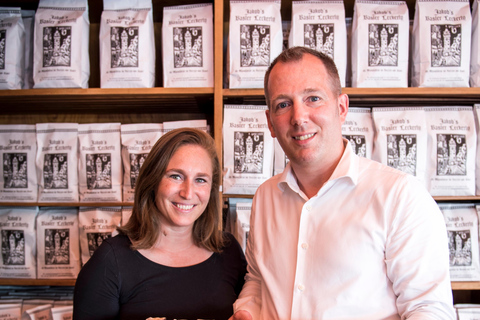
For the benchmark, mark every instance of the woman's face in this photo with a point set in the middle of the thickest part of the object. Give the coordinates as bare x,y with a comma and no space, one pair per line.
184,190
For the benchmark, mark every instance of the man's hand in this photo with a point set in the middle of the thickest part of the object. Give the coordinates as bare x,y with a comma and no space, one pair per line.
241,315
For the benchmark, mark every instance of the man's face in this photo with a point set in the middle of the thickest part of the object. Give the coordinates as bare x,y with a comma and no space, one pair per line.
304,115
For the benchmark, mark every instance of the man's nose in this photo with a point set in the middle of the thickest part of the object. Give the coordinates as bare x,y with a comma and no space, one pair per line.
299,114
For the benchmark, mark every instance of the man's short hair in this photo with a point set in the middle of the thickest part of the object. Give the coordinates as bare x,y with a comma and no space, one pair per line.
296,54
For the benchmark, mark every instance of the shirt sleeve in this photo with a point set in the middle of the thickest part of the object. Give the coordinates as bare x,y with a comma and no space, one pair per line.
416,256
96,293
250,296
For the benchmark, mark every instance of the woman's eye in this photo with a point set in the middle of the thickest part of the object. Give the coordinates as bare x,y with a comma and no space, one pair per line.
175,176
201,180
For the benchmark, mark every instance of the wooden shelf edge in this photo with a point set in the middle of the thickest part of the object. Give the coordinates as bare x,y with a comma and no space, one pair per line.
465,285
37,282
66,204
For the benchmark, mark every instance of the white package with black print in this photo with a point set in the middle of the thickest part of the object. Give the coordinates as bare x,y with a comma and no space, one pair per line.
359,130
10,311
12,48
62,313
96,224
401,139
255,39
467,311
476,112
243,210
197,124
42,312
320,25
441,43
380,39
126,214
61,40
127,44
57,164
187,45
137,141
280,159
475,49
28,17
18,148
452,143
461,220
17,228
247,148
58,250
99,162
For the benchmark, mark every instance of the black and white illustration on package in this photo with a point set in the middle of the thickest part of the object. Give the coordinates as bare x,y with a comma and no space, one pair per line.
124,47
57,46
136,162
320,37
460,248
188,47
55,171
95,239
57,246
451,155
254,45
358,143
248,148
99,171
446,45
402,152
15,170
13,247
3,42
383,45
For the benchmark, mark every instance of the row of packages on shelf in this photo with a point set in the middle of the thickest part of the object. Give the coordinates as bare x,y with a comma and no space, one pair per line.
438,145
461,219
378,49
71,162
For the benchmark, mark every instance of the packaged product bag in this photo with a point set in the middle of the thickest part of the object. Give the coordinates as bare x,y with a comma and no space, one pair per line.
475,56
12,48
247,148
255,39
462,227
127,44
467,311
187,45
96,224
43,312
61,57
244,210
441,43
18,148
359,130
452,142
58,250
99,162
137,141
280,159
62,313
380,39
401,139
17,228
320,25
476,112
126,213
198,124
57,162
11,311
28,17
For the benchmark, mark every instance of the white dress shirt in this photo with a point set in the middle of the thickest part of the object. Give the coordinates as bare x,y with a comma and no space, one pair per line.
372,244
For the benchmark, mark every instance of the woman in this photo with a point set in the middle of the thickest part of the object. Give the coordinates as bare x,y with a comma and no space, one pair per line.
170,259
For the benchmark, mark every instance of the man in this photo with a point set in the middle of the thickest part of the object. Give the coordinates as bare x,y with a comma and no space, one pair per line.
337,236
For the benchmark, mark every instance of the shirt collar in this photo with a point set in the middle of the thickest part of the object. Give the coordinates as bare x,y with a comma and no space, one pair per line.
347,168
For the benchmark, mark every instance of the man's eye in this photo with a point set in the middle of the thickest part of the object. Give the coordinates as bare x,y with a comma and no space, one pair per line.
282,105
314,99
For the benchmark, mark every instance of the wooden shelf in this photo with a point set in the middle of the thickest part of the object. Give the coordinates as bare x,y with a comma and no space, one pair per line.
66,204
465,285
36,282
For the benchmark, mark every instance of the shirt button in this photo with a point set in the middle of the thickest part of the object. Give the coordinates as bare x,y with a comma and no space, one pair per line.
304,246
308,207
301,287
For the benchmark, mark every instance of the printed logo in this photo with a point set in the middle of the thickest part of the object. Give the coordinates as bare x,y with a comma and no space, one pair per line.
188,47
451,155
3,43
15,170
13,247
99,171
57,46
319,37
57,246
254,45
446,42
55,171
248,152
460,247
402,152
136,162
358,143
382,45
124,47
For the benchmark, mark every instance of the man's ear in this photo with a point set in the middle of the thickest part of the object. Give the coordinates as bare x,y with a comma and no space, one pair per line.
270,125
343,103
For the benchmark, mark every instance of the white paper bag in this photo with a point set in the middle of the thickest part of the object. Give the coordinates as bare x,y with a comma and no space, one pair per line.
359,130
127,44
28,17
475,56
11,311
61,57
12,48
187,45
255,40
320,25
244,210
441,43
